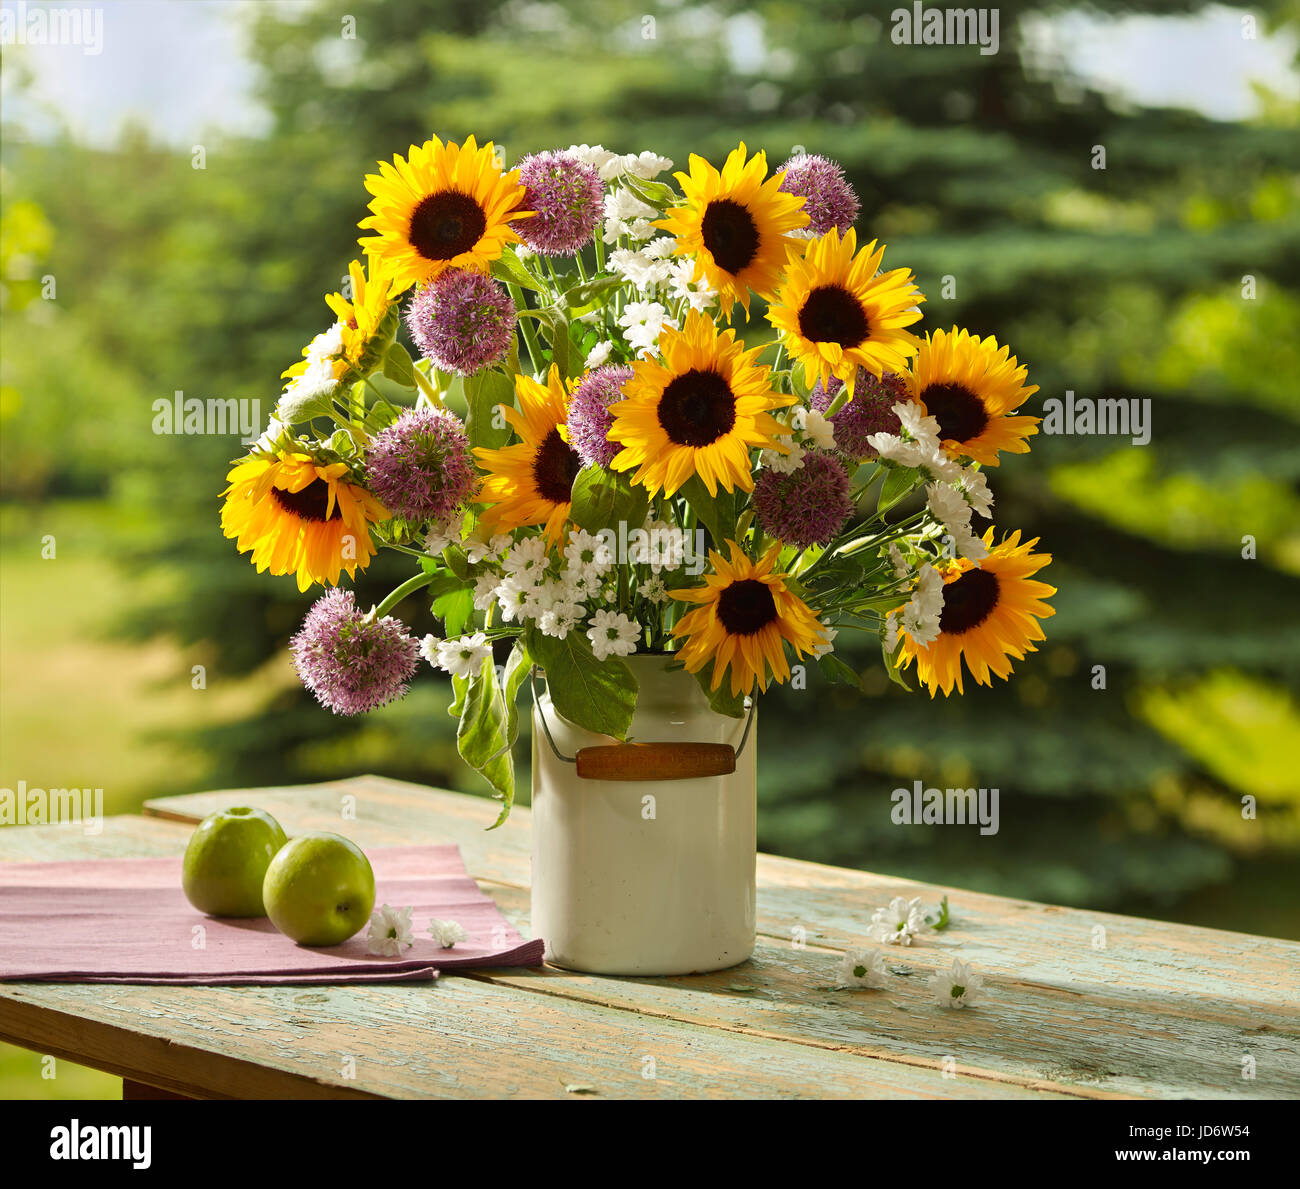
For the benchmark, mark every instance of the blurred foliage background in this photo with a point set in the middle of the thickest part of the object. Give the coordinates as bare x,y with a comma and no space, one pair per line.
1171,274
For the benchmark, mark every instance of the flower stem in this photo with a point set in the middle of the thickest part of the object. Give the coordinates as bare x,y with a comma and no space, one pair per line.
410,586
428,389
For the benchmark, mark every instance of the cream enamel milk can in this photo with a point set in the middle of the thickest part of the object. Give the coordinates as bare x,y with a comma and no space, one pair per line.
643,852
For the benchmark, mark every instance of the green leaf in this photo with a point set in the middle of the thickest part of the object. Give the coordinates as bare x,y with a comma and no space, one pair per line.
508,267
588,295
556,322
835,670
602,498
597,695
455,608
398,365
716,512
481,737
721,700
457,561
943,919
899,483
483,393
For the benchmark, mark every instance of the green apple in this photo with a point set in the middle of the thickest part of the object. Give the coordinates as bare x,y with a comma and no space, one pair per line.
319,889
226,861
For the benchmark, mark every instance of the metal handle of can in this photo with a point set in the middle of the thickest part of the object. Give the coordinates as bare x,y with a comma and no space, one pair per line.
649,761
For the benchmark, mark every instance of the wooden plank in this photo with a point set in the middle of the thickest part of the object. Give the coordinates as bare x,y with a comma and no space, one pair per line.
1164,1010
463,1037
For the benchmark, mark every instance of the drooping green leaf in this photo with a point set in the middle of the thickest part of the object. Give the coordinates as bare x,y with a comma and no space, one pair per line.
484,392
836,671
588,295
455,608
481,737
721,700
602,498
398,365
598,695
899,483
508,267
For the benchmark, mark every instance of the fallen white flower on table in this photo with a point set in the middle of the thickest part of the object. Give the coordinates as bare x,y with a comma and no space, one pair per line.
447,933
900,922
390,931
958,986
863,968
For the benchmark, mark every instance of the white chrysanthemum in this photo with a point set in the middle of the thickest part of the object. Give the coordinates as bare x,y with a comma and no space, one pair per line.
595,155
447,933
599,355
921,616
440,536
485,590
527,559
902,568
949,507
664,546
477,549
698,294
643,271
863,967
462,657
612,634
560,618
581,585
783,464
626,214
517,598
975,487
588,553
958,986
646,164
270,439
919,427
642,323
817,429
653,590
901,921
891,631
390,931
826,643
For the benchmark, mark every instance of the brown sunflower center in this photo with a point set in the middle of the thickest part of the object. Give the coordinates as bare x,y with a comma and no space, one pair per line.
697,408
729,232
831,314
446,224
746,607
960,413
555,467
308,504
969,601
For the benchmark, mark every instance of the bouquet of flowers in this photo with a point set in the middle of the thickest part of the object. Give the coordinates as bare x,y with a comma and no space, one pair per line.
587,461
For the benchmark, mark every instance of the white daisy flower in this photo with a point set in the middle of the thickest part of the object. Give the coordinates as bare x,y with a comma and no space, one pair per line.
653,590
641,270
599,355
949,507
588,553
975,487
527,559
783,464
684,286
921,616
613,634
900,922
485,590
595,155
626,214
643,322
440,536
477,549
462,657
863,968
581,585
560,618
646,164
390,931
447,933
958,986
517,598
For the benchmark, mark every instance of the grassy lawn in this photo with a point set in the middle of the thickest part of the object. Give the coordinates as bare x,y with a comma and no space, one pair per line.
79,709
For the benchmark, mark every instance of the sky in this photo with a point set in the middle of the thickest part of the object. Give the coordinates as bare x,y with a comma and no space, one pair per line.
178,66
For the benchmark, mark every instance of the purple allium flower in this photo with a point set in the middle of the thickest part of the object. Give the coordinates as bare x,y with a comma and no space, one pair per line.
831,201
568,197
462,321
351,662
808,506
420,467
870,411
589,415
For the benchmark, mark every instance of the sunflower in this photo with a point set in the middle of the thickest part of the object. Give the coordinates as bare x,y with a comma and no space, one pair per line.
969,386
734,223
990,612
297,515
744,619
698,412
440,207
531,482
364,324
836,315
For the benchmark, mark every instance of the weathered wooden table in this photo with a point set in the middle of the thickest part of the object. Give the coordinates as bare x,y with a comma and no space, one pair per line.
1078,1005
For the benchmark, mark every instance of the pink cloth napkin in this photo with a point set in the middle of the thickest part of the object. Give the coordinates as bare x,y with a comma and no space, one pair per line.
127,921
